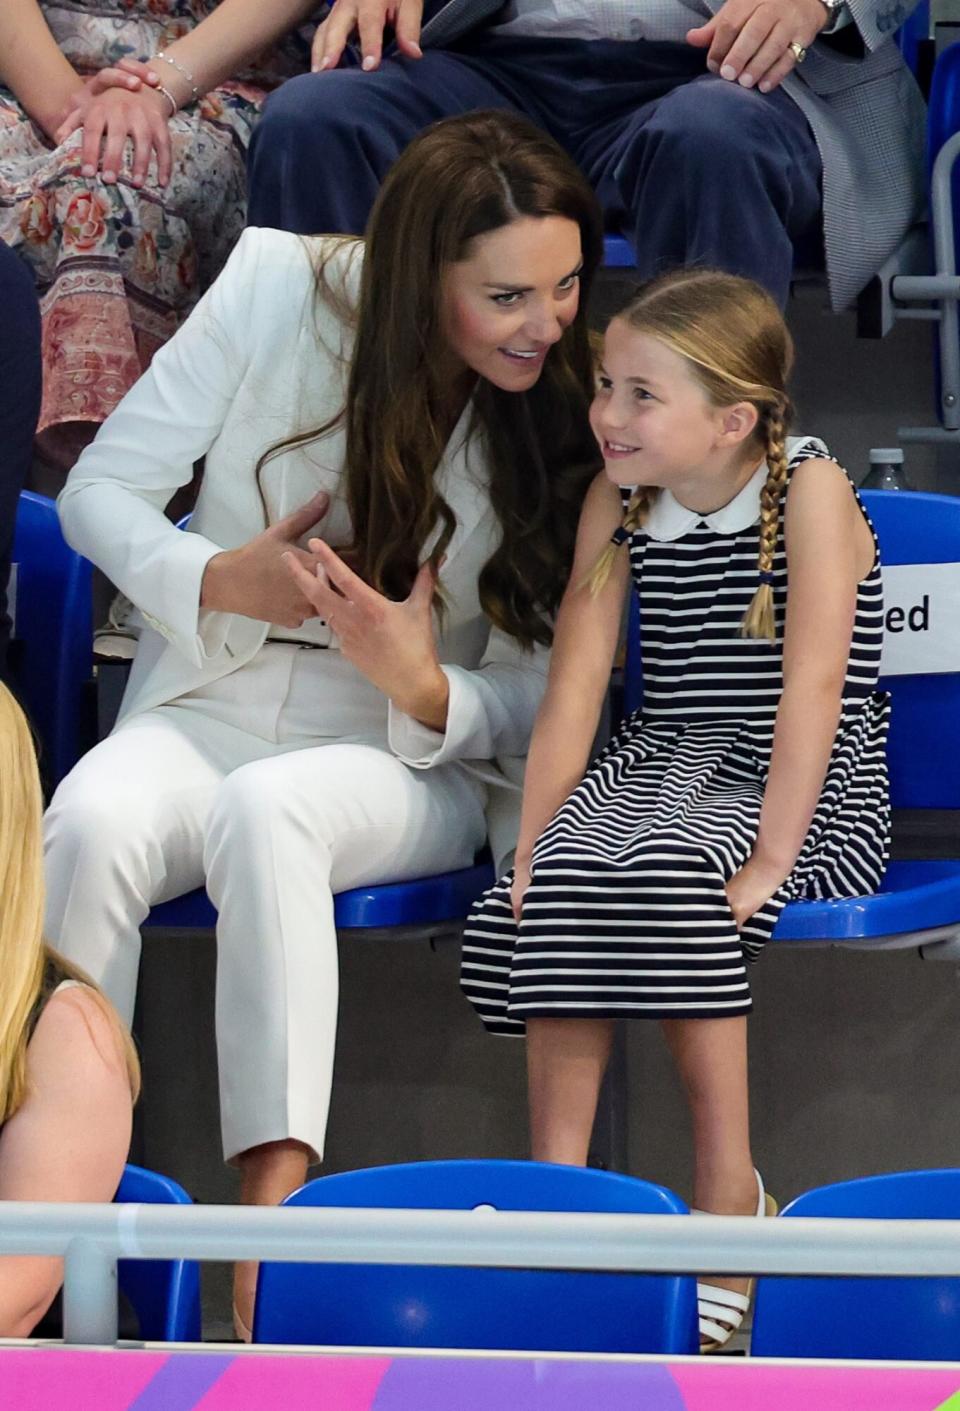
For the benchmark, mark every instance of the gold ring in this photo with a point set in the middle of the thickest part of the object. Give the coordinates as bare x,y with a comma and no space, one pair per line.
798,51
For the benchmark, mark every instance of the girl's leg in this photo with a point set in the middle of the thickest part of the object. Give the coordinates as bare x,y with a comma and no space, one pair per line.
566,1061
285,834
711,1058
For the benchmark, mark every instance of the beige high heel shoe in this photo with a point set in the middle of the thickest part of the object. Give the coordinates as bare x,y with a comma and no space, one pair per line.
722,1311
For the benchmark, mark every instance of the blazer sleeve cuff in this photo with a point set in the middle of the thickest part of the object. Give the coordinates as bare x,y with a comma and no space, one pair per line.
198,633
420,747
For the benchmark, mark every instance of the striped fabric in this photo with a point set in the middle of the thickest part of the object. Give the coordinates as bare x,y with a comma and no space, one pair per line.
627,913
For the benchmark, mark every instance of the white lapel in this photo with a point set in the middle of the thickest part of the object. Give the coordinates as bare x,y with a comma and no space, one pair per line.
463,479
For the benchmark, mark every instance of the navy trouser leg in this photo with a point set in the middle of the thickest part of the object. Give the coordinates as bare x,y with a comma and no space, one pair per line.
20,383
715,174
326,141
698,170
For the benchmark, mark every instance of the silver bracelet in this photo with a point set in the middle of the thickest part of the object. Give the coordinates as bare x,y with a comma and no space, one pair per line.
174,106
174,63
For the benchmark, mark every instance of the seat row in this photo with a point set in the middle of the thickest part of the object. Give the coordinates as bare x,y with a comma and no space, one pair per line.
917,907
416,1306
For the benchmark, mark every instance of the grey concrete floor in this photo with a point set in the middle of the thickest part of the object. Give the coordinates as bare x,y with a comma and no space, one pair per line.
854,1057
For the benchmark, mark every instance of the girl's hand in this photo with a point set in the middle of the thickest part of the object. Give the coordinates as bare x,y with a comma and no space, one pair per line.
518,889
393,644
111,118
750,888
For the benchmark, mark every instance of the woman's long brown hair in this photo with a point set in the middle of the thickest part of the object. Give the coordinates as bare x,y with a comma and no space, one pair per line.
461,179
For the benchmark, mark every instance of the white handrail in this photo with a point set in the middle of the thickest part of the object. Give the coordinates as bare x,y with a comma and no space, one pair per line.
93,1237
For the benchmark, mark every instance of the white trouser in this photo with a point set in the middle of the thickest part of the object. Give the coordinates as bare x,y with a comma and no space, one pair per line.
276,823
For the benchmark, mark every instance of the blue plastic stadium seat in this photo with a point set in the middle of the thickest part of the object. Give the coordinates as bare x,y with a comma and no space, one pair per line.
918,901
425,901
414,1306
869,1318
51,652
618,252
164,1293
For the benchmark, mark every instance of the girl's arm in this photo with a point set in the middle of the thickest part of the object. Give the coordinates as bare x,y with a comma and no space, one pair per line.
32,66
68,1141
588,629
829,548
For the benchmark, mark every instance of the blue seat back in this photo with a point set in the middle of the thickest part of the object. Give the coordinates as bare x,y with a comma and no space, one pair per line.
412,1306
925,717
912,33
943,112
164,1293
51,653
925,721
869,1318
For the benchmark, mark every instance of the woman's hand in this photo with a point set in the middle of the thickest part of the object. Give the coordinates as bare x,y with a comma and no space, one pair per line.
518,888
130,74
254,580
750,888
393,644
111,117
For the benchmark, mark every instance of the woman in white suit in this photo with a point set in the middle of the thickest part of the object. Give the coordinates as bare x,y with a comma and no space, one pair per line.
415,408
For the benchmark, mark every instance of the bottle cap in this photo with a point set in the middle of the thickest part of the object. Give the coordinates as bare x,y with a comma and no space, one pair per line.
886,455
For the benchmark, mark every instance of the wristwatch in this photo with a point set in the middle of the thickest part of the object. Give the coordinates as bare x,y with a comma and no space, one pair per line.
835,10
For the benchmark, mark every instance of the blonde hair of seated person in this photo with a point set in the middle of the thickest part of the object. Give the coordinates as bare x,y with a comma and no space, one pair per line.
31,970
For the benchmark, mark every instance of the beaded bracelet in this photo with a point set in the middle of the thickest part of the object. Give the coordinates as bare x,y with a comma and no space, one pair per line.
174,105
174,63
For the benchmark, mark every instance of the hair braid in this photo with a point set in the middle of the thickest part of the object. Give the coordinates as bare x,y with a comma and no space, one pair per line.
637,510
759,619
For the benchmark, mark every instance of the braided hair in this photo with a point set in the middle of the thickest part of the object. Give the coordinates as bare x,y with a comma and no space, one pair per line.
734,338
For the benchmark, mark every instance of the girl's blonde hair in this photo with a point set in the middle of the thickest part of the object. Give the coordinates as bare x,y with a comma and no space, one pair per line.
29,969
734,338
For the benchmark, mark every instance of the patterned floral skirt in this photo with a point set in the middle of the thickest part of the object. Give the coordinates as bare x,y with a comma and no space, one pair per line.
117,268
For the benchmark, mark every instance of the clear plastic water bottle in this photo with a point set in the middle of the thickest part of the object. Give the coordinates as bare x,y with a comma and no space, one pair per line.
886,470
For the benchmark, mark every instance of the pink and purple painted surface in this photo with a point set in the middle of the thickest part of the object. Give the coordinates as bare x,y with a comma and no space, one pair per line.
54,1379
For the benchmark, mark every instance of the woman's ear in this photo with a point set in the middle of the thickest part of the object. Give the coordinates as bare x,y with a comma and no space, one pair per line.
737,423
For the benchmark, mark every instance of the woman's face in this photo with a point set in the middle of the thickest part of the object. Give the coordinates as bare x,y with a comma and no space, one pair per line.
507,304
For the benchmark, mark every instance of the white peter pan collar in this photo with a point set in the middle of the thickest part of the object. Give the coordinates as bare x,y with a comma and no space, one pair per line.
669,520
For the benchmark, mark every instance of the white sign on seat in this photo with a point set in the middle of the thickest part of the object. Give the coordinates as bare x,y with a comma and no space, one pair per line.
921,619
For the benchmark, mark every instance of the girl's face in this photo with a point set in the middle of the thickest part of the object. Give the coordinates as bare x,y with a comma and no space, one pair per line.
507,304
653,420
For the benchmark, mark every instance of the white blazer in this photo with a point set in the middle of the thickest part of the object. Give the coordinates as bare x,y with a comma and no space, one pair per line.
261,358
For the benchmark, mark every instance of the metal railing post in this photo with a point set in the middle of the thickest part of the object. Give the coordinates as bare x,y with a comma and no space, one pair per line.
89,1292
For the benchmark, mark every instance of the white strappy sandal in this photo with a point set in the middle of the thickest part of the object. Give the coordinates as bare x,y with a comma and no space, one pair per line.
722,1311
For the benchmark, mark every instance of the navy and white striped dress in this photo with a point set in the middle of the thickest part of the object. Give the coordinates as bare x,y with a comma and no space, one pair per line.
627,913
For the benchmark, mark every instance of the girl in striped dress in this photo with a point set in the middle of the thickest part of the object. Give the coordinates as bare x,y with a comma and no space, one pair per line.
753,774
